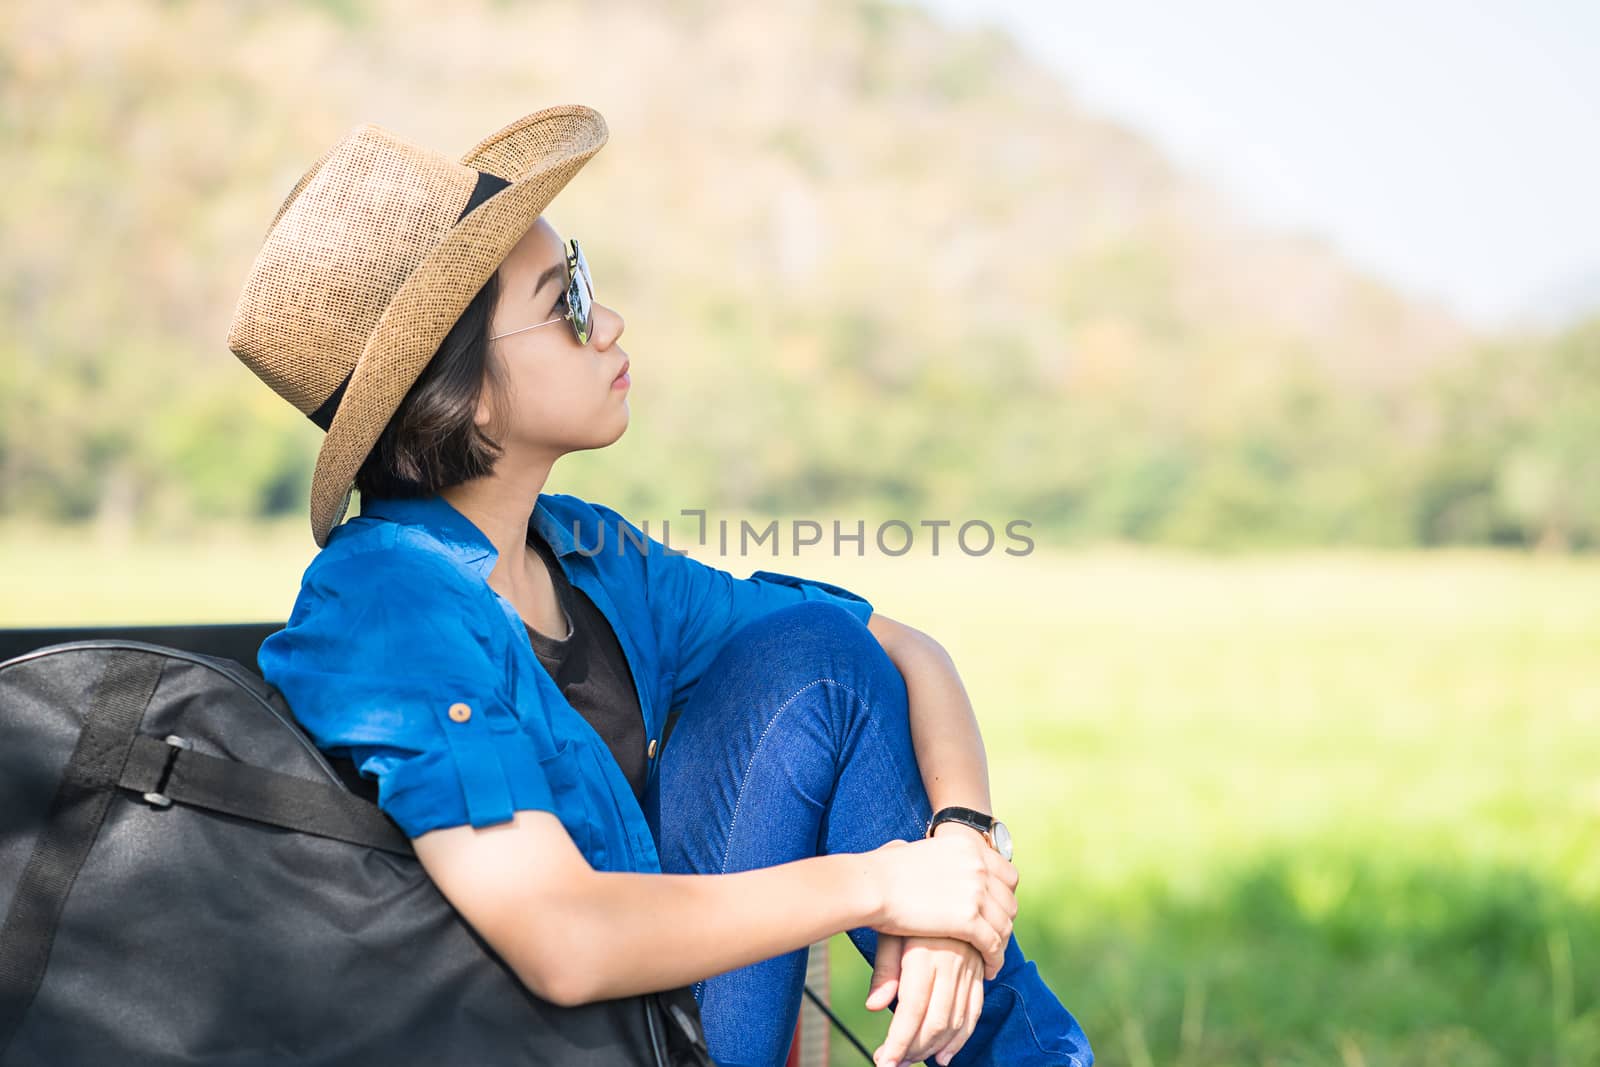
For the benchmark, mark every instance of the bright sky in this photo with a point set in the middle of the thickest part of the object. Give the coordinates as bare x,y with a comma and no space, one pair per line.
1450,146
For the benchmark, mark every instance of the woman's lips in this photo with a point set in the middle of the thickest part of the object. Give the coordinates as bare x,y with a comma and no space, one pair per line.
622,381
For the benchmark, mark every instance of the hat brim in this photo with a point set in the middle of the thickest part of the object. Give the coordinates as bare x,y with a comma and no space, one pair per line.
538,154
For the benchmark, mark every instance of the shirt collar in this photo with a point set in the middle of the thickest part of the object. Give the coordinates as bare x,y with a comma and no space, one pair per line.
459,534
558,534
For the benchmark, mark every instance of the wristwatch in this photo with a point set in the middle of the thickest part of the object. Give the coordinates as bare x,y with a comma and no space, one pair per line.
993,830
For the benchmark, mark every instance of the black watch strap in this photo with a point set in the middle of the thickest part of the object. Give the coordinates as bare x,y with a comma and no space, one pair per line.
970,816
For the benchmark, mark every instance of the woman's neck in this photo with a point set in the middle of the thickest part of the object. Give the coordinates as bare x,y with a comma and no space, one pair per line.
500,505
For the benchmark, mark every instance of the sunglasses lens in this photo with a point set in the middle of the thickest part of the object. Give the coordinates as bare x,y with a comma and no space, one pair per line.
580,297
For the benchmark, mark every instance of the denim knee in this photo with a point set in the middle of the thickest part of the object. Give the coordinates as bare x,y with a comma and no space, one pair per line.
814,639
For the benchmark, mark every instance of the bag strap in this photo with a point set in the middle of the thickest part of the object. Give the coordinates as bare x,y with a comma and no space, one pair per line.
170,771
76,812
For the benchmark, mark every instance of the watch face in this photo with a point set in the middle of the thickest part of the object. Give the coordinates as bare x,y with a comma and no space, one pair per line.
1002,839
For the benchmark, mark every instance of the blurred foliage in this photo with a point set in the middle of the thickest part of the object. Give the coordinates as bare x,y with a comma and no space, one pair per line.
1310,956
867,261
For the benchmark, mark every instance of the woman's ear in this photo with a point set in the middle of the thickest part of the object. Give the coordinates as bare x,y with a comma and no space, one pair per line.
493,411
490,400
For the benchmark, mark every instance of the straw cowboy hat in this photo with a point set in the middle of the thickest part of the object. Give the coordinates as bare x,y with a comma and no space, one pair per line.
372,258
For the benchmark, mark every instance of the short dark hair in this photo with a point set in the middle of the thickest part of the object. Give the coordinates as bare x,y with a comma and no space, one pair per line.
433,440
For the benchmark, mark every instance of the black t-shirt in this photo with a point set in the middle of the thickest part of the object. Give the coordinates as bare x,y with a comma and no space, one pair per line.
591,671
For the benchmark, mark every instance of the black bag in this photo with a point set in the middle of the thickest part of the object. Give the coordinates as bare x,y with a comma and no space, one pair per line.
186,880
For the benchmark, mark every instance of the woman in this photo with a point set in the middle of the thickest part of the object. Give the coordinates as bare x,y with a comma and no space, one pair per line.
502,661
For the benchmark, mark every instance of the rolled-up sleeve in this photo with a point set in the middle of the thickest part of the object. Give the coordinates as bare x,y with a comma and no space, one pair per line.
698,607
388,659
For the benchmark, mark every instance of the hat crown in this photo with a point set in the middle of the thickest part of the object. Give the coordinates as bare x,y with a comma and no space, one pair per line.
354,227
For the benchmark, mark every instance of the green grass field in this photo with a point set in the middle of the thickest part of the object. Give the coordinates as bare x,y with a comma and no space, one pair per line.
1308,809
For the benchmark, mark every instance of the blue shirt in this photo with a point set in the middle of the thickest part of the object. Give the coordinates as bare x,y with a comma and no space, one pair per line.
400,656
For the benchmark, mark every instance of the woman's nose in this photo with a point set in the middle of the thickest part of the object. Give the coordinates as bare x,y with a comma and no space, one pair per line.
608,326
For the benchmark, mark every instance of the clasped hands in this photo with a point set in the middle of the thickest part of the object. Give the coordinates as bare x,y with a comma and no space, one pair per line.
939,980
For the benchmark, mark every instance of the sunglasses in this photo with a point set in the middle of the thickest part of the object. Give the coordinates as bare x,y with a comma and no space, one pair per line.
579,300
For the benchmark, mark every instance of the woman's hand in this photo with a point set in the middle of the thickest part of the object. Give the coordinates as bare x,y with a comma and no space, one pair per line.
954,887
939,981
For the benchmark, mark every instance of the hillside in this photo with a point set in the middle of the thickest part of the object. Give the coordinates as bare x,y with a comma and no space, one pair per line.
931,280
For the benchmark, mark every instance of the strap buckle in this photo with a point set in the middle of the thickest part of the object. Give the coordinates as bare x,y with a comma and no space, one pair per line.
157,798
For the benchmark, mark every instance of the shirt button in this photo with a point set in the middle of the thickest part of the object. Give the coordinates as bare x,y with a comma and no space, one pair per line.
460,712
651,752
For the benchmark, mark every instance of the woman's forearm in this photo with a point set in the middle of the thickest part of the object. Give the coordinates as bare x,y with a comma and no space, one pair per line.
631,933
944,727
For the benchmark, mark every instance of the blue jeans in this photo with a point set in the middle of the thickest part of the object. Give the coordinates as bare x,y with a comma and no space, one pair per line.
795,743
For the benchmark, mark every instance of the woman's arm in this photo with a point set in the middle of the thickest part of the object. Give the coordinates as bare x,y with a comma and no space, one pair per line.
574,934
944,729
950,753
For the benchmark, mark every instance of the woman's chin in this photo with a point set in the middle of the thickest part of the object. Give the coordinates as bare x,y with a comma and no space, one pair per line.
616,423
